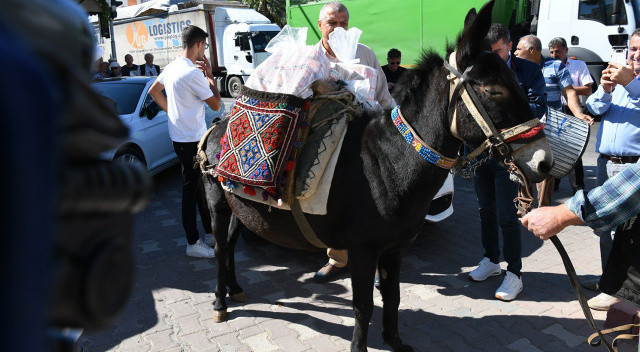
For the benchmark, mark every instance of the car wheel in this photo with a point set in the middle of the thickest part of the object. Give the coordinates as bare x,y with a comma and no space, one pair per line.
130,156
234,85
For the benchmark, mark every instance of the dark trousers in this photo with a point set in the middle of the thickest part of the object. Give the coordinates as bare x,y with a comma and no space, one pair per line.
496,193
576,176
192,192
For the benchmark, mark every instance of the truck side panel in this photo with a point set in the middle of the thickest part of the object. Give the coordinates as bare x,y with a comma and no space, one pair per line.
159,36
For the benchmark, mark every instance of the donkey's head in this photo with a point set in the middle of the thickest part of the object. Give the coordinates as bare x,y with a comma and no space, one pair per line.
493,88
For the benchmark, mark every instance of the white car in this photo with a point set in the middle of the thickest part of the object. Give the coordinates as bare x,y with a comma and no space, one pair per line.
442,204
148,144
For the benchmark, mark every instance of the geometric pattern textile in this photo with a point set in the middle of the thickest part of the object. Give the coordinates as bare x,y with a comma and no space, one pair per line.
259,138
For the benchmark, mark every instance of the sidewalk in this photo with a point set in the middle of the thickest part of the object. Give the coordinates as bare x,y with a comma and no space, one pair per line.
440,310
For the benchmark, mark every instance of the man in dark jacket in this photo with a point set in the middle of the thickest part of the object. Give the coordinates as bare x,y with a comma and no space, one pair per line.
494,189
149,69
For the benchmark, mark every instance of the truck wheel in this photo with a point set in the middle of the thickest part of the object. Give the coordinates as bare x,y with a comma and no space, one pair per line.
234,85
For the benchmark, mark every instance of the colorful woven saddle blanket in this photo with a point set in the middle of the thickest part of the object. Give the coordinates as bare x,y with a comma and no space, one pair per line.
261,132
309,171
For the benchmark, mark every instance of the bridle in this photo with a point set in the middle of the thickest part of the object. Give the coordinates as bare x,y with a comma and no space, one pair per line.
496,141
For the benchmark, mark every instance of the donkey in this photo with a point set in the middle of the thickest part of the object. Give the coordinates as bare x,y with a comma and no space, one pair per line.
382,187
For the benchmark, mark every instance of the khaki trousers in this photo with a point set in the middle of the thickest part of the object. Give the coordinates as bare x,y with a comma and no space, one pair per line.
338,257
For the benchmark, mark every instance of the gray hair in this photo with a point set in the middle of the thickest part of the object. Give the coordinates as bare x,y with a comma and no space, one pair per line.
530,41
558,41
333,6
635,33
498,31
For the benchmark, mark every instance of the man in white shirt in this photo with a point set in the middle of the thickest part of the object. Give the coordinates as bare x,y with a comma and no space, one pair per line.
582,82
332,15
187,90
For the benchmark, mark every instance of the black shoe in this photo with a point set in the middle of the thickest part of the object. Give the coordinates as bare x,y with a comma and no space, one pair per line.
327,272
591,285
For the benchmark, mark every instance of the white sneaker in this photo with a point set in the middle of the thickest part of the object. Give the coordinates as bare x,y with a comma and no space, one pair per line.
602,301
511,286
200,250
209,240
485,269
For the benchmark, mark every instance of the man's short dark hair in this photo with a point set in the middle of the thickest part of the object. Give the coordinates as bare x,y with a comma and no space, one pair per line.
558,41
498,31
192,35
394,54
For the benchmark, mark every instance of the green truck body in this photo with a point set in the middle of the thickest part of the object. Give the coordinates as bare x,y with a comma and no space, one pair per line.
407,25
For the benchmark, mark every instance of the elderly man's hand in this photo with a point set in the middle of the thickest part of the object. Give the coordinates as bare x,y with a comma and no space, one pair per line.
546,222
620,74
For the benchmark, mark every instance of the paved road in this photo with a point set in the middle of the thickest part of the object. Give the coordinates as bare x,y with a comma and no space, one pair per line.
171,305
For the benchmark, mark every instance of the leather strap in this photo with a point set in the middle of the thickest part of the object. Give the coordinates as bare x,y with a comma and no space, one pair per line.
304,225
598,337
614,343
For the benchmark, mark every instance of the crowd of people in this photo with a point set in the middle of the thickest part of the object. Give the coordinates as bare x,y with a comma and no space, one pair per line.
557,82
112,69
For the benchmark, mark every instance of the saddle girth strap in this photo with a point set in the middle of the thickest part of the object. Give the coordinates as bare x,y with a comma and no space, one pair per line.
201,156
304,225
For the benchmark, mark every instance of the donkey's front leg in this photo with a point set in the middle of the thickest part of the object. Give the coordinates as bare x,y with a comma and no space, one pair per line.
235,291
389,267
363,267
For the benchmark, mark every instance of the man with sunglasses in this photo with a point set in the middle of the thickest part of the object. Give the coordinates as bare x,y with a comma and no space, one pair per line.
392,70
187,91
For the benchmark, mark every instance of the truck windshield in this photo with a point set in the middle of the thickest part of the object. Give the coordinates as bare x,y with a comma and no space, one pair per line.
125,95
261,39
600,11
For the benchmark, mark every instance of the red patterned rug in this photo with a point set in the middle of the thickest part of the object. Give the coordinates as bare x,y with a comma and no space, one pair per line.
259,138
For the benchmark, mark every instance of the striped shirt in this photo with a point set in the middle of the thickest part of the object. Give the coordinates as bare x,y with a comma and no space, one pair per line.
611,204
557,78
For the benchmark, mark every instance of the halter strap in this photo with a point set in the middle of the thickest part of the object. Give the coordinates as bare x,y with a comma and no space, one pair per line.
411,137
480,115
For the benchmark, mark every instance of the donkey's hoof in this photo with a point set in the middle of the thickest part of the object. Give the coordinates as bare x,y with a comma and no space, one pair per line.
219,316
239,297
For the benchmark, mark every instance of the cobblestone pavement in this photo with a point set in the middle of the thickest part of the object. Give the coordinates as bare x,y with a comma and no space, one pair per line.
171,305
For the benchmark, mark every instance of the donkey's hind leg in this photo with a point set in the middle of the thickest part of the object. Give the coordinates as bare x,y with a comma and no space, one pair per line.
235,291
389,268
220,218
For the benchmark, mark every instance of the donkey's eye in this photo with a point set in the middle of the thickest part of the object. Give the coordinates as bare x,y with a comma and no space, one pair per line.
493,92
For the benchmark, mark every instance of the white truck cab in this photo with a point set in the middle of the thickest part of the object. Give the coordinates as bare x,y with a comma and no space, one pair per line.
590,29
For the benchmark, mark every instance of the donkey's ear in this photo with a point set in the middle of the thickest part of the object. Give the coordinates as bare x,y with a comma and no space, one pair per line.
470,17
472,41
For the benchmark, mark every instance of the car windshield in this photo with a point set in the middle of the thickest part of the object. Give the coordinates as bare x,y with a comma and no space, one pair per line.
261,39
125,95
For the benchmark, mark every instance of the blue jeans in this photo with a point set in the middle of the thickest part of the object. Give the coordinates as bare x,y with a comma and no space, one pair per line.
495,198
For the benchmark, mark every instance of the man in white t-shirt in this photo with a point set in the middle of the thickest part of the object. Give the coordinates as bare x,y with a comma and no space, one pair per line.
189,83
582,82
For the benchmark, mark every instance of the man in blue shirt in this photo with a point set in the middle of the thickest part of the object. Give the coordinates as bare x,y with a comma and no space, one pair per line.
558,83
618,141
494,189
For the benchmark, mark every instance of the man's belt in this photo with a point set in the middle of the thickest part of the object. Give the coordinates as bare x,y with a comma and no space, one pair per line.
621,159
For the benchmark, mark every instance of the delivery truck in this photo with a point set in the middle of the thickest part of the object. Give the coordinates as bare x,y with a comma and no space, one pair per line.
237,37
596,31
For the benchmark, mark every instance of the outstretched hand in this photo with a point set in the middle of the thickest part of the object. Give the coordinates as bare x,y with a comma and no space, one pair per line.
546,222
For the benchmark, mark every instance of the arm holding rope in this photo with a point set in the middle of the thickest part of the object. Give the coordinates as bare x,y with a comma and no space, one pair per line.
605,207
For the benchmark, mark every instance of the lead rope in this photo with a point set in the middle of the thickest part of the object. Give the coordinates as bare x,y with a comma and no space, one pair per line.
524,204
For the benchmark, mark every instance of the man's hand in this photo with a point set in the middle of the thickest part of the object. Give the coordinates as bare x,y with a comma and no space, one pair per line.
584,117
605,81
156,93
621,74
546,222
205,66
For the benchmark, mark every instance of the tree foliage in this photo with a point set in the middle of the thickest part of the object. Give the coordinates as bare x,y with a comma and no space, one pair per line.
274,10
